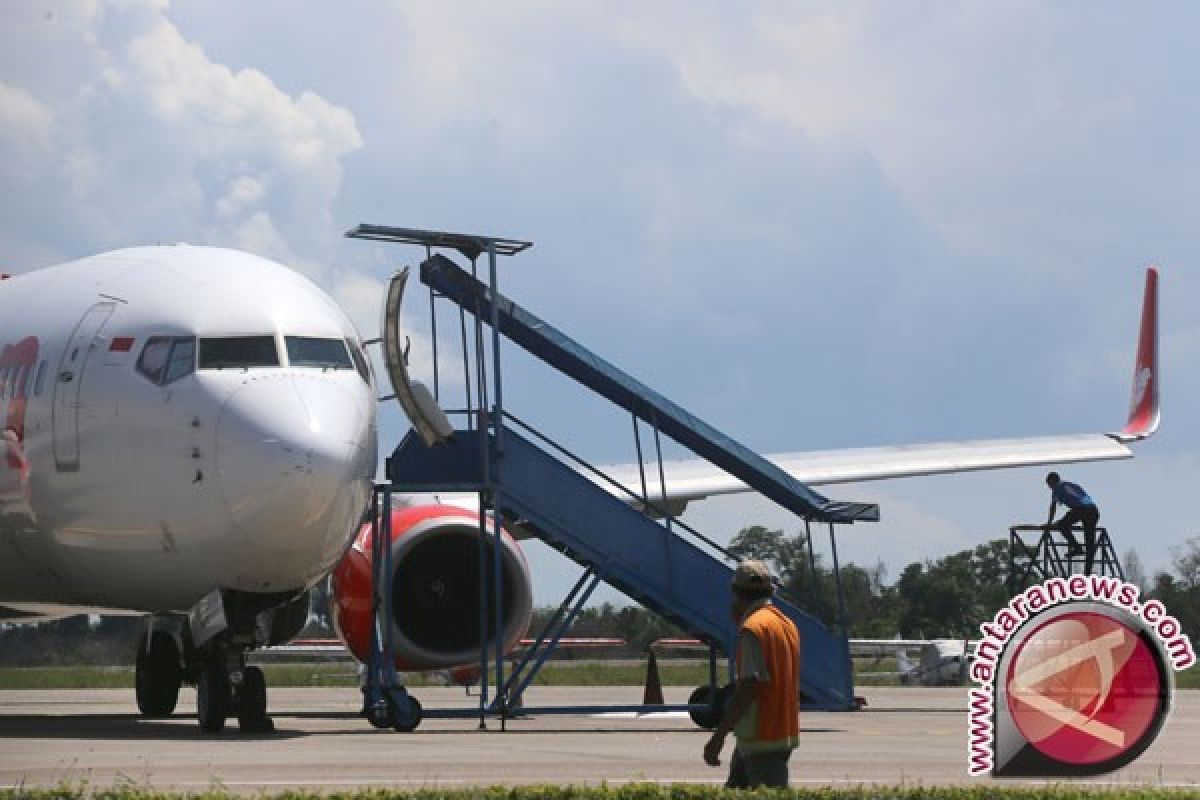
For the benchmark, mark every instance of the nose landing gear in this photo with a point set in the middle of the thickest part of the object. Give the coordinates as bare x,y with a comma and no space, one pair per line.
220,630
222,692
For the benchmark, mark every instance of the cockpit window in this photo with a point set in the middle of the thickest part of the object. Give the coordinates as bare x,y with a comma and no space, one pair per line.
181,361
165,359
360,361
234,352
308,351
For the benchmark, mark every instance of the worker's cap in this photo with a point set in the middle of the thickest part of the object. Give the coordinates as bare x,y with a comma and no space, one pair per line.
753,575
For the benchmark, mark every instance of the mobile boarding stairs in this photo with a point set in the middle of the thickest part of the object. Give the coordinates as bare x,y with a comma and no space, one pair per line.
619,535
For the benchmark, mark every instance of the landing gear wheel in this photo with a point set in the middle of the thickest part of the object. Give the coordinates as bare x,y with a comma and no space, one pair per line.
379,714
407,722
393,708
158,675
703,695
212,698
252,703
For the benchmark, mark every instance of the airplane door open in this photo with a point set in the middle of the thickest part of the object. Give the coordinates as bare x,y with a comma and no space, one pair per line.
68,384
423,412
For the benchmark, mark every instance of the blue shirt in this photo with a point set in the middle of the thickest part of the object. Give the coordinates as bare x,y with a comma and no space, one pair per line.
1071,495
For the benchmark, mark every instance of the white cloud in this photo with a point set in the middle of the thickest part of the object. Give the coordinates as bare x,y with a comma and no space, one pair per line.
26,126
361,297
242,193
242,110
255,232
148,139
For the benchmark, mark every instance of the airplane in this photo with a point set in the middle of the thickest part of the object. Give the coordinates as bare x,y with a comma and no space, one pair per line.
187,429
942,662
190,435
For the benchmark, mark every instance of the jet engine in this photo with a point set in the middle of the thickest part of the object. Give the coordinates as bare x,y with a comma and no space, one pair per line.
436,589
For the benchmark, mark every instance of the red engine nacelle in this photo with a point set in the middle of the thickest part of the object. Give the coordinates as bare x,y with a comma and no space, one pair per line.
436,589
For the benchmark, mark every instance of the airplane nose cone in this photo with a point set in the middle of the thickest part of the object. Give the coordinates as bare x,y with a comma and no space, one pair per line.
291,455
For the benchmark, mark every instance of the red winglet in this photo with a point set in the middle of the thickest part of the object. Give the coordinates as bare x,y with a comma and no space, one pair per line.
1143,408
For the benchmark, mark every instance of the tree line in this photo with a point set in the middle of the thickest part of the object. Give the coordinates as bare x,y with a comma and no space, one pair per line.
940,598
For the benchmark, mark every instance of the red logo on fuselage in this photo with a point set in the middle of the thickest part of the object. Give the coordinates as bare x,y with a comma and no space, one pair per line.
17,365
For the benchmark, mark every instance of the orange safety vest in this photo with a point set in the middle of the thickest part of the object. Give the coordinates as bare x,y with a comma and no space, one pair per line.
776,702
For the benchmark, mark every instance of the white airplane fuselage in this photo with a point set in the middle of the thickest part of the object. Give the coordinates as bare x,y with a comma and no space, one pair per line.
176,420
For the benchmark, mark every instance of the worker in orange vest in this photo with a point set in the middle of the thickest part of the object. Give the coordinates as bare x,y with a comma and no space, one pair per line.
764,712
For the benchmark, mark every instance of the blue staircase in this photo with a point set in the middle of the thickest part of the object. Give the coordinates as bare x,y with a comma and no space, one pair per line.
684,582
558,350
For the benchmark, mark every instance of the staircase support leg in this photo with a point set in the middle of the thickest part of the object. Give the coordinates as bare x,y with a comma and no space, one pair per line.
437,393
593,579
662,487
837,580
483,567
637,441
712,667
497,454
547,631
462,325
814,596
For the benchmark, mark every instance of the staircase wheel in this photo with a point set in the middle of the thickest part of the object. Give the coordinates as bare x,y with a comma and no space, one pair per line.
703,695
408,720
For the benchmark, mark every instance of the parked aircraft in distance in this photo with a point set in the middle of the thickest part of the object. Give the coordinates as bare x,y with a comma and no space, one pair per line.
941,662
190,434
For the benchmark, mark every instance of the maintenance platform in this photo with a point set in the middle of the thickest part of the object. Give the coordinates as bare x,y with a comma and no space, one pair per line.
1036,554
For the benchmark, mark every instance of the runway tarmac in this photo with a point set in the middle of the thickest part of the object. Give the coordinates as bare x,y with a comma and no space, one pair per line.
910,736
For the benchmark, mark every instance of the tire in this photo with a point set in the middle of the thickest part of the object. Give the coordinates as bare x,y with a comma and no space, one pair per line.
252,700
410,725
158,675
703,695
212,698
379,714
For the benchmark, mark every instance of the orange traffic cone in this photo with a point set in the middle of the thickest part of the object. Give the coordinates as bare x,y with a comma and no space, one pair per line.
653,695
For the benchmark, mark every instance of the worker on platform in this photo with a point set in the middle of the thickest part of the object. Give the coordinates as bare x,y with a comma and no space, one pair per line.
1080,508
764,712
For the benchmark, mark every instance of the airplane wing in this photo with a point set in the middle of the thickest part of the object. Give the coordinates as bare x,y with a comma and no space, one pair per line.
884,647
690,480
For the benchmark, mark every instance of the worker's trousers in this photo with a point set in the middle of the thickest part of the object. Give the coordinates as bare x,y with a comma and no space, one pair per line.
758,769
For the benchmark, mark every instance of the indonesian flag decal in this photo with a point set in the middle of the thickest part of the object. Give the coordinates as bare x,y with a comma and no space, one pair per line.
1143,408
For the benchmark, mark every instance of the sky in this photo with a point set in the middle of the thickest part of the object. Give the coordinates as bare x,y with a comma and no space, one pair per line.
814,225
